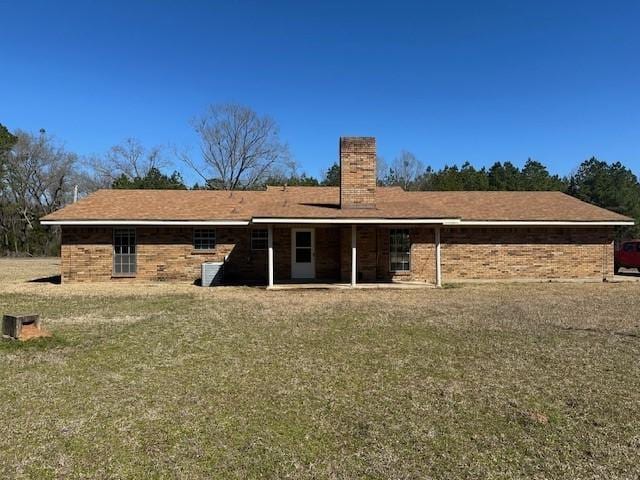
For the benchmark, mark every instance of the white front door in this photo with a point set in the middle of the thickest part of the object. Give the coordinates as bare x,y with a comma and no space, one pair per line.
303,255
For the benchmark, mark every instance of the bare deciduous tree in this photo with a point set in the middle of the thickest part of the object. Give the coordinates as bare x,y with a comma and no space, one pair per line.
36,180
405,169
38,172
129,158
381,169
239,148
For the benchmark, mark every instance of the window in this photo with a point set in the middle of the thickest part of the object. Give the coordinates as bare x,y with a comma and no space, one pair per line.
259,239
304,244
124,252
204,238
628,247
399,249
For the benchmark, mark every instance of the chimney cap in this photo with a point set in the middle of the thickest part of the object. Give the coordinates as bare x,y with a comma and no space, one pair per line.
358,143
357,139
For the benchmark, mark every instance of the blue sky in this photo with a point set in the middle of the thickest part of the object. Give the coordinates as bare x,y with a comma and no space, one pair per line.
449,81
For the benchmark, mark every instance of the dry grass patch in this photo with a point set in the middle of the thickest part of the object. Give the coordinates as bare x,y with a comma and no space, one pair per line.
481,381
19,270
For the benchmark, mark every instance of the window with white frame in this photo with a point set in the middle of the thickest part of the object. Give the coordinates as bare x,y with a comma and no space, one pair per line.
204,238
399,250
124,252
259,237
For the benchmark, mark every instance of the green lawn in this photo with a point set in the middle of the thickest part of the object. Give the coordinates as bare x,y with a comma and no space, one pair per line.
484,381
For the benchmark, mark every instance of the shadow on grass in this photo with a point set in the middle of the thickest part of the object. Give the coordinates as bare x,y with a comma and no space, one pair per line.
54,279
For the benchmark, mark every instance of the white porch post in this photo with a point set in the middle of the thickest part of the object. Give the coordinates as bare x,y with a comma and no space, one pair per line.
270,254
438,263
353,255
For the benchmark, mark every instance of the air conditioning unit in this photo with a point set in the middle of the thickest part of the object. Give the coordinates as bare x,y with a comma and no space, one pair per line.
212,273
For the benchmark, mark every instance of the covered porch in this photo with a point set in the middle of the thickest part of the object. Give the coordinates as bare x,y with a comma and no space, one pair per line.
350,255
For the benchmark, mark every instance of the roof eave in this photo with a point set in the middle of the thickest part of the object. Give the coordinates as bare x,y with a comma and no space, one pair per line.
354,220
339,221
443,221
133,222
559,223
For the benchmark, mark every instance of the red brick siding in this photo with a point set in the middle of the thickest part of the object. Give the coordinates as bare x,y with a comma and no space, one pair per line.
282,253
328,253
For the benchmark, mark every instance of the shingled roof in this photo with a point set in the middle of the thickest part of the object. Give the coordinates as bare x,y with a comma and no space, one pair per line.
323,203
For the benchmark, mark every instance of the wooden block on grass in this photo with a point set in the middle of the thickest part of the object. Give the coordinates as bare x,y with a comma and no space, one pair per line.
19,326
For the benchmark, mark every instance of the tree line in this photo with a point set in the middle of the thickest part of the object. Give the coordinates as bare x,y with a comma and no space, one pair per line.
240,149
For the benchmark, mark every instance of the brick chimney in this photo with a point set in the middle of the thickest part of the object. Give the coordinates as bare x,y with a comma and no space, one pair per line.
358,172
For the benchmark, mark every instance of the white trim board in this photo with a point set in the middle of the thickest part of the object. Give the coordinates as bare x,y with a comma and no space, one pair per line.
525,223
345,221
439,221
165,223
358,221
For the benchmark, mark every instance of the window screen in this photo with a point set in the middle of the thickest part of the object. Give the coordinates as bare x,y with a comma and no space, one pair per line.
259,239
204,238
124,251
399,249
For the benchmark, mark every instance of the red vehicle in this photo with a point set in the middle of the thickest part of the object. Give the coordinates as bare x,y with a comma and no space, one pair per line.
628,255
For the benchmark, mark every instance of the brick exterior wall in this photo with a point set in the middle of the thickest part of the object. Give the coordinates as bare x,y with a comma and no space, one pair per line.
327,253
163,254
167,254
358,175
366,251
86,254
372,250
526,253
481,253
281,254
423,256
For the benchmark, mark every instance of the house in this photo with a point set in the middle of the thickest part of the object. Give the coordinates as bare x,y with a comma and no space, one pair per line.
357,232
